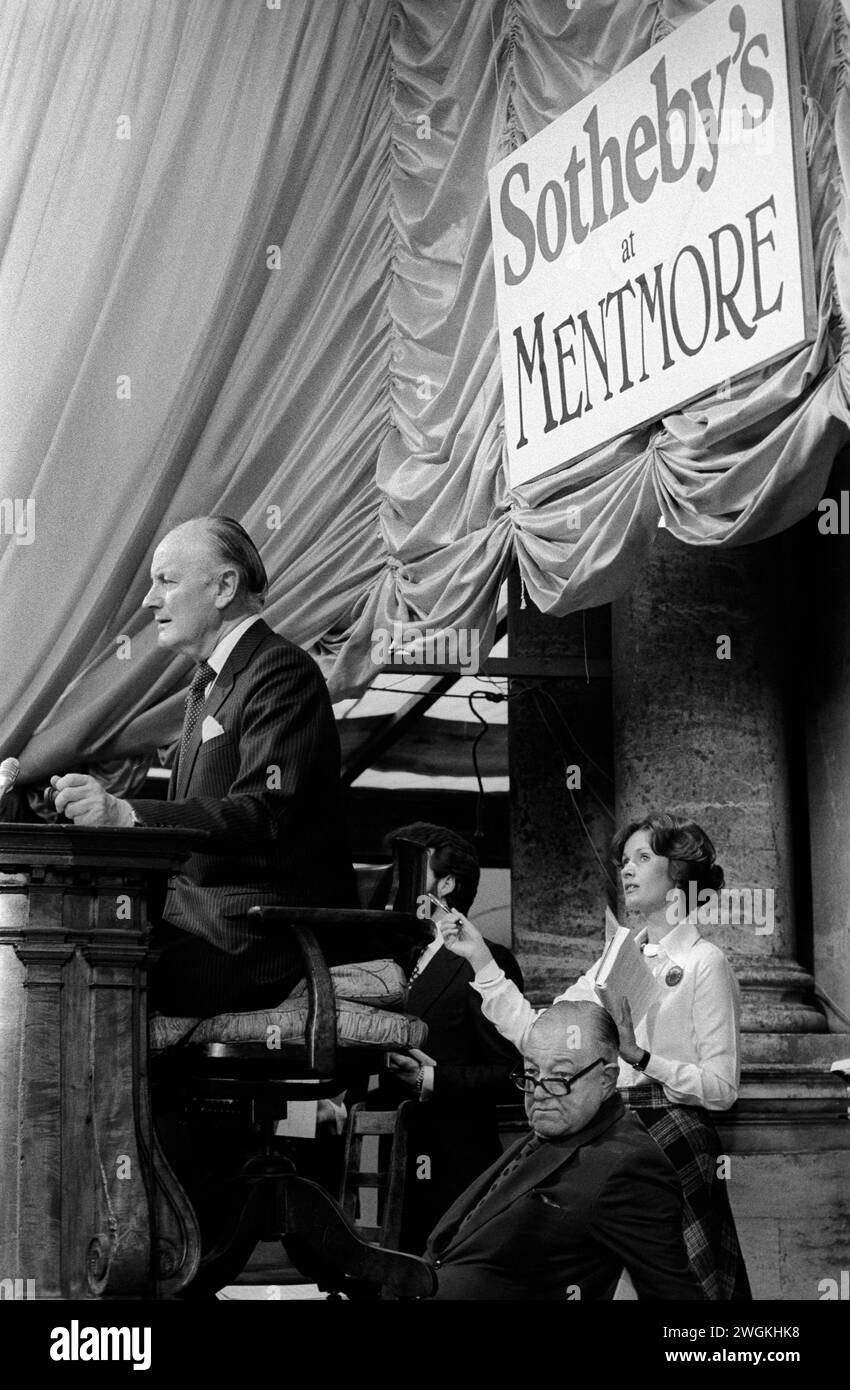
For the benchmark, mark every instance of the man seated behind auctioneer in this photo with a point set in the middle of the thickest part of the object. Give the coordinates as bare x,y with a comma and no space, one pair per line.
463,1074
560,1214
257,767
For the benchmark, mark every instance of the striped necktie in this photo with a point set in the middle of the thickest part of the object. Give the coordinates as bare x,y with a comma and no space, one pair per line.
204,673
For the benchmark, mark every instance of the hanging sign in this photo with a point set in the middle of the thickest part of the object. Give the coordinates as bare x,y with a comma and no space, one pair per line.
654,242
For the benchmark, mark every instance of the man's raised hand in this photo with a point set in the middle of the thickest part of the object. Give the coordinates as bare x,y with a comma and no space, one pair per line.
463,938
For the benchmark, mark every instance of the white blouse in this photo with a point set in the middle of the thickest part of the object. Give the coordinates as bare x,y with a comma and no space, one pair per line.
692,1032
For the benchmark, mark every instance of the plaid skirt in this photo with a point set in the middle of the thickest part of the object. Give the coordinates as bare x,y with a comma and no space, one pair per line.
691,1143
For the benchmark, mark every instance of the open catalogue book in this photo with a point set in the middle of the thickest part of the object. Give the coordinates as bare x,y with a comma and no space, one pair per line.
624,970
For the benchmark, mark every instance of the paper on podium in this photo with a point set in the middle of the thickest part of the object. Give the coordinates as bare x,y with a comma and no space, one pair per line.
300,1121
623,970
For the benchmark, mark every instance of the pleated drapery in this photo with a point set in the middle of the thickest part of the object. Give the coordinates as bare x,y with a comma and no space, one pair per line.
245,266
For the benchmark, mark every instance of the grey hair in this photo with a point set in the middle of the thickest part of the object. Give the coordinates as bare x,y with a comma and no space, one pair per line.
590,1018
235,547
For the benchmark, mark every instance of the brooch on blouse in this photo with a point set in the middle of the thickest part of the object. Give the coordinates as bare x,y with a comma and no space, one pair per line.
674,975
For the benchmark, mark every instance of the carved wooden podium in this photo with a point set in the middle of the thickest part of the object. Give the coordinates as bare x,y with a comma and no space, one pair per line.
88,1205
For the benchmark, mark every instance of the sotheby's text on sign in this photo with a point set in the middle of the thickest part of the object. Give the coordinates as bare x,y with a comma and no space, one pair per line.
654,242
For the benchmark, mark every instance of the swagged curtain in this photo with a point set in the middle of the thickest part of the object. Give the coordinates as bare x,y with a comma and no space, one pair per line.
347,405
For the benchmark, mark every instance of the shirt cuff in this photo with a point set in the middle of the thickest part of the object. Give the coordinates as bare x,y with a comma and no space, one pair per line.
126,814
331,1113
427,1083
660,1070
489,974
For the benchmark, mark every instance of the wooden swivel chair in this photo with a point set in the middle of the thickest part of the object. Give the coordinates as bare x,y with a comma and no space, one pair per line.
236,1073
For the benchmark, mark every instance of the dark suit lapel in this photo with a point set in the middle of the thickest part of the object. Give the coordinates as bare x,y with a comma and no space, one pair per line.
446,1228
534,1170
441,971
224,683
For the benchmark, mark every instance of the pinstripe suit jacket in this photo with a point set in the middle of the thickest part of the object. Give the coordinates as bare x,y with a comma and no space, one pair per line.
267,789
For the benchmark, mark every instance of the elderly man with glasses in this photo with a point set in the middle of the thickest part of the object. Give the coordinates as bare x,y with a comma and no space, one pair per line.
589,1192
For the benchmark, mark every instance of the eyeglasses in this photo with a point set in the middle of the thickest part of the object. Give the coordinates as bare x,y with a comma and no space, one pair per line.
552,1085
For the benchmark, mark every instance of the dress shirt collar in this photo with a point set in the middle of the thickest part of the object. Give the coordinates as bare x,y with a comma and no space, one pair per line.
223,648
677,944
428,954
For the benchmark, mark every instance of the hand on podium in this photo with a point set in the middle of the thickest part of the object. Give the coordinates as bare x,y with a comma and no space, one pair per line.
85,802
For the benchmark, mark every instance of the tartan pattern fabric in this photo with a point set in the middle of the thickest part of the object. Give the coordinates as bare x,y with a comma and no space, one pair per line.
691,1143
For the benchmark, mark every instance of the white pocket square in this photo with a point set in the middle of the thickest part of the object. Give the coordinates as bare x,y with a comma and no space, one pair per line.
210,729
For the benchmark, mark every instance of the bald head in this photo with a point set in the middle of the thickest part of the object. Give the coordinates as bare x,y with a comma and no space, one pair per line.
575,1041
191,539
578,1025
218,541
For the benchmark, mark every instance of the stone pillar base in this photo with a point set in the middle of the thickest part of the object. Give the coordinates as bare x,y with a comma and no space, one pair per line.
787,1142
776,997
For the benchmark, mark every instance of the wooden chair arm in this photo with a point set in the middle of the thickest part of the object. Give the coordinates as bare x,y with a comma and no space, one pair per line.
320,1032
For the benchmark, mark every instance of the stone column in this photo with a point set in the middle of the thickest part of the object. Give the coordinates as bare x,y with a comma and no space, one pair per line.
716,740
700,728
823,570
721,741
561,822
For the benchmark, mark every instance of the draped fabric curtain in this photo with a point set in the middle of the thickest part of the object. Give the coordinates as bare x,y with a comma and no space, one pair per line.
245,266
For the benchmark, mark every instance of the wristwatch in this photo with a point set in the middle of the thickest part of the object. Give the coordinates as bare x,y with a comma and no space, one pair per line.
642,1062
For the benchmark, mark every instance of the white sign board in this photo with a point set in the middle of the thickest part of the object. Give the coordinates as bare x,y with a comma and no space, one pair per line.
653,243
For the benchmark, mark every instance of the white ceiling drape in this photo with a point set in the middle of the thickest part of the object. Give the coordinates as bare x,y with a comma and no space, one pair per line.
341,395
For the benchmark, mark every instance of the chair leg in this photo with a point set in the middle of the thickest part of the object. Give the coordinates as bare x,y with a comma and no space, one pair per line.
223,1261
234,1216
313,1226
268,1200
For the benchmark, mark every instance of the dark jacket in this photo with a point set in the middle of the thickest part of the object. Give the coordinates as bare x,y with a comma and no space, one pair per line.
267,789
453,1135
567,1220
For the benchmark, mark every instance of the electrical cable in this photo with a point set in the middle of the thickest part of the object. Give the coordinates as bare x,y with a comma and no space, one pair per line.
554,703
605,870
478,833
592,761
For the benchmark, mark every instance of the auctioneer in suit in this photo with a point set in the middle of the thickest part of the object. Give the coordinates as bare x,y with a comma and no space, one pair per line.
267,789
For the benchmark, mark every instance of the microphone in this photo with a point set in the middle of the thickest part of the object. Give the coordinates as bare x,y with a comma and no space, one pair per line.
9,769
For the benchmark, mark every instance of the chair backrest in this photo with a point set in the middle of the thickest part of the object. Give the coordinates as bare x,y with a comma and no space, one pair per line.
374,1171
373,885
410,874
397,886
